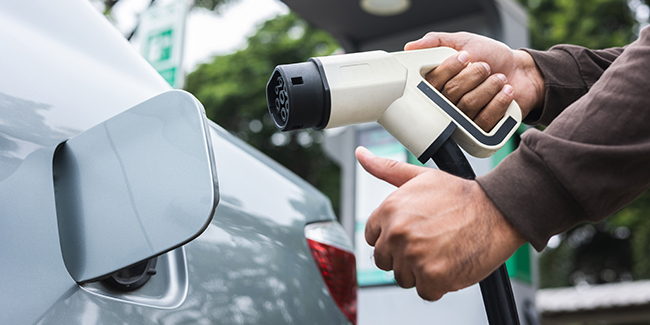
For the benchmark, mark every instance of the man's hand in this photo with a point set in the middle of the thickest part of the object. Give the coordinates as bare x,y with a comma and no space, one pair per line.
517,66
484,98
438,232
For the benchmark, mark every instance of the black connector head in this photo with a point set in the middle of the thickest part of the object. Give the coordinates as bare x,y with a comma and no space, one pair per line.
298,96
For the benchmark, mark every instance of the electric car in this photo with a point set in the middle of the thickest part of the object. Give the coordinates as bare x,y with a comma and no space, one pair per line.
120,202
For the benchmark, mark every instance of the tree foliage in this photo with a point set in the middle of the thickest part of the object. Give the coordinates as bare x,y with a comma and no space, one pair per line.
232,89
594,24
107,8
211,4
618,248
207,4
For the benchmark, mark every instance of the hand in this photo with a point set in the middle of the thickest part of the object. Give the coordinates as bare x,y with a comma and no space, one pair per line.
438,232
518,66
484,98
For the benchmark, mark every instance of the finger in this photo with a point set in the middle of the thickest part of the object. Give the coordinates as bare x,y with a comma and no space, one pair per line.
475,100
403,275
429,294
466,80
383,257
391,171
373,230
496,109
450,67
429,285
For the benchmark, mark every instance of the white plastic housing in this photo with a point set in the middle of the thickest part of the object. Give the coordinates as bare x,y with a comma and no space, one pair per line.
387,88
362,85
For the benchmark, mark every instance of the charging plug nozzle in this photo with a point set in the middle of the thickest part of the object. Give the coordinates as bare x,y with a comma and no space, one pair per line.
298,96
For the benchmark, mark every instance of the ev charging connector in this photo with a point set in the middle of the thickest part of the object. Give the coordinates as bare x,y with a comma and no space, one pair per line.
390,88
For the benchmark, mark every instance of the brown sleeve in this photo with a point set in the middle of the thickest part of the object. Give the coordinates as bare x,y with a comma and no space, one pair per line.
591,161
569,72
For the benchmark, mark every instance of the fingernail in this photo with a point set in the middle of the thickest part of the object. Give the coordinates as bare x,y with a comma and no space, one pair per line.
502,77
508,89
463,57
487,66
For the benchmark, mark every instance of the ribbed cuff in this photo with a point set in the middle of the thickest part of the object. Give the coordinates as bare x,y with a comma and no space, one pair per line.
563,82
530,197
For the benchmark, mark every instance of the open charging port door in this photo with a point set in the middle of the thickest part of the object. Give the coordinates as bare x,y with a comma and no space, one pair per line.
134,186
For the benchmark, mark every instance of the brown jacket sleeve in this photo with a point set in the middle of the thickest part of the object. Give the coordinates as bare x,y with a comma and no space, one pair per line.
594,157
569,72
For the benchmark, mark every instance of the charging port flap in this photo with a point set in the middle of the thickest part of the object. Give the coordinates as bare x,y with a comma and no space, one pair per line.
135,186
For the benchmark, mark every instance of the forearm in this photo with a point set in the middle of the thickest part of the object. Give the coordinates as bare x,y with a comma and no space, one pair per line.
592,159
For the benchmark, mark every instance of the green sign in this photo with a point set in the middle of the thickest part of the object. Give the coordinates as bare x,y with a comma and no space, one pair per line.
159,47
160,38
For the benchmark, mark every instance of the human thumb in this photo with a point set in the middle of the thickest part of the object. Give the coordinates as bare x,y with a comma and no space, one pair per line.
436,39
388,170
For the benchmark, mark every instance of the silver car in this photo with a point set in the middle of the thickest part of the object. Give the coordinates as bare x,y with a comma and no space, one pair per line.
120,202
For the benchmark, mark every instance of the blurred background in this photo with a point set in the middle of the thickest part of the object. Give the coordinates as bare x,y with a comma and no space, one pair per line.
592,274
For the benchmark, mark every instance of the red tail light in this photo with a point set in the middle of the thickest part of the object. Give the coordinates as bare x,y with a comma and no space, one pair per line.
332,252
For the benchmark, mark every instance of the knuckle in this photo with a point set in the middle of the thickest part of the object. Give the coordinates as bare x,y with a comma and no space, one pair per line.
382,265
479,71
484,121
390,206
497,107
434,282
399,231
502,100
428,294
402,280
496,82
468,103
390,164
433,279
434,270
383,262
385,167
451,89
411,254
371,233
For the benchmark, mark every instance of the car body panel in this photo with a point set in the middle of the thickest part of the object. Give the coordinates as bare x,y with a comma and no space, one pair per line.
64,70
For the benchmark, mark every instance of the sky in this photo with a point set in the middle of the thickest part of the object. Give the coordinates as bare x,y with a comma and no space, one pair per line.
208,33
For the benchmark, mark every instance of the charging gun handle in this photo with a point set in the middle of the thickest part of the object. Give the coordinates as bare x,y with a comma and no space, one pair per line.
497,294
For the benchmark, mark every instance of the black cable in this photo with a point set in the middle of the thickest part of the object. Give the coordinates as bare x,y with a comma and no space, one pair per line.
498,299
450,158
496,290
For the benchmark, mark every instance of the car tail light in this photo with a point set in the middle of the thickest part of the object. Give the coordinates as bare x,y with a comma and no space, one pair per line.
332,252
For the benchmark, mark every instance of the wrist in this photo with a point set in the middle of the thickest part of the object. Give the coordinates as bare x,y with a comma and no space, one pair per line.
528,69
505,236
